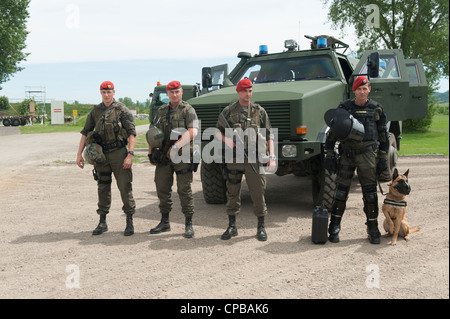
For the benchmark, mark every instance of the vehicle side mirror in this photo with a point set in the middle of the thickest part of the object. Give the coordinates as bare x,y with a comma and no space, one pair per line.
206,77
373,64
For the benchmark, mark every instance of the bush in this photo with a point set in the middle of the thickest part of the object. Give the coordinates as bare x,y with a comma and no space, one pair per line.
442,109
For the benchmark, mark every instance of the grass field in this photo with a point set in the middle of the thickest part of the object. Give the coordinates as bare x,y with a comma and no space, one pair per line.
432,141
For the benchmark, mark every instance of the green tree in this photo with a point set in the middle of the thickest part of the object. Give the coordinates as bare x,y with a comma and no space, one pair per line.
13,33
4,103
418,27
24,107
127,101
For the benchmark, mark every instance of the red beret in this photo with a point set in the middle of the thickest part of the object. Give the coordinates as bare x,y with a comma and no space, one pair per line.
360,80
173,85
243,84
107,85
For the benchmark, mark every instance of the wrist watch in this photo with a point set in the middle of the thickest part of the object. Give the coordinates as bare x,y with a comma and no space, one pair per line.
131,152
272,157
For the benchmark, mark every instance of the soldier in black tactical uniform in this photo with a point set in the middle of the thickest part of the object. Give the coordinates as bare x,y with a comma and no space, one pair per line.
364,148
111,125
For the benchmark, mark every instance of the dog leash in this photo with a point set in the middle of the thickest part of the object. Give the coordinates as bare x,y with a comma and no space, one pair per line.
381,190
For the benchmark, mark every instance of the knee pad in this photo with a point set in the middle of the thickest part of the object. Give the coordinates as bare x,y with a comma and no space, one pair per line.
340,200
341,192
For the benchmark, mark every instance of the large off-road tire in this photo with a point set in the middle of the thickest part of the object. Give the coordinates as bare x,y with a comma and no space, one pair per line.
323,183
213,183
6,122
15,122
391,160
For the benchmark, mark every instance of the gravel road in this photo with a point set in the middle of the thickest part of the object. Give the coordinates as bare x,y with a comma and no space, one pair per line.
48,214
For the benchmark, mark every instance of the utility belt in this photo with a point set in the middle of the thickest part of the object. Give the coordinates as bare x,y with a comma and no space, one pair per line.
351,152
116,144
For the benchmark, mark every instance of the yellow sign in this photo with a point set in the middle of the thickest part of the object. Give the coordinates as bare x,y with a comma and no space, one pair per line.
74,112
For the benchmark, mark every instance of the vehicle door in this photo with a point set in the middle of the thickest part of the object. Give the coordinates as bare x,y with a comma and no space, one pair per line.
392,88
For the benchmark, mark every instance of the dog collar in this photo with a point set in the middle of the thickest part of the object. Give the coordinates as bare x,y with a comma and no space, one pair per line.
391,202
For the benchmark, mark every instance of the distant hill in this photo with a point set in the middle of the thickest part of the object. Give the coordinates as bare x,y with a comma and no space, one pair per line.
442,97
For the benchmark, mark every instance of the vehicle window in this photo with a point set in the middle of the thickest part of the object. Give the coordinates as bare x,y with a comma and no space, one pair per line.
217,77
291,69
388,67
162,98
413,73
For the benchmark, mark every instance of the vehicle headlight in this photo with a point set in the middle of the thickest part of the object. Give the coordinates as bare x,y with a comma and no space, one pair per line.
289,151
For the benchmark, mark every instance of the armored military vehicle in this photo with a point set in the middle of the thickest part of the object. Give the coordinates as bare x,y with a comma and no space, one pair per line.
296,87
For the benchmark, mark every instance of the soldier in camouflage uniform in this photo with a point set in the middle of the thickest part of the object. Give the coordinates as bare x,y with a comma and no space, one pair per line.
368,155
245,114
111,125
181,117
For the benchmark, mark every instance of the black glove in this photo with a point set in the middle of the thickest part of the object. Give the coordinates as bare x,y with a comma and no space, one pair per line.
331,163
154,157
381,166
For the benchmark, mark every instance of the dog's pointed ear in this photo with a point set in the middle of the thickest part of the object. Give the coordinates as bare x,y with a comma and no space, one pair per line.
395,175
406,173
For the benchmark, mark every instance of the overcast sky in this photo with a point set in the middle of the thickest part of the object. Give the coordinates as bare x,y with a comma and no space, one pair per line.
136,43
87,30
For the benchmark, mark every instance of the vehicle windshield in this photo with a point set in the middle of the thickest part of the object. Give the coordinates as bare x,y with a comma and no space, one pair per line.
290,69
162,98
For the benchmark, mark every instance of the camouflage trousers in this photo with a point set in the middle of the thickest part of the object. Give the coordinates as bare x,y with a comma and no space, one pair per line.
365,164
256,185
164,181
124,178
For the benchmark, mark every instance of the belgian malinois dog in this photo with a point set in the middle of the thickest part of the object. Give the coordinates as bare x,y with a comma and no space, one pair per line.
394,208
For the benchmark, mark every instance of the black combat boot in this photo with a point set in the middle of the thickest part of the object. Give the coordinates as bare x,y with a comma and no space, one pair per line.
102,227
231,230
334,228
188,231
129,229
373,232
261,231
163,226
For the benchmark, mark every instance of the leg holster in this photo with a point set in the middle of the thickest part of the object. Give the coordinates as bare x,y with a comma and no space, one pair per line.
233,176
102,177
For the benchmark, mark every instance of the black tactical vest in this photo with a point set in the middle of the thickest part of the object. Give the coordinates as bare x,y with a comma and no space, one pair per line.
367,115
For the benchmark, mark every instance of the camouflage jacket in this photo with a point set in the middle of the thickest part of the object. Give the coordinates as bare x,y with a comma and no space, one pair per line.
110,124
237,114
